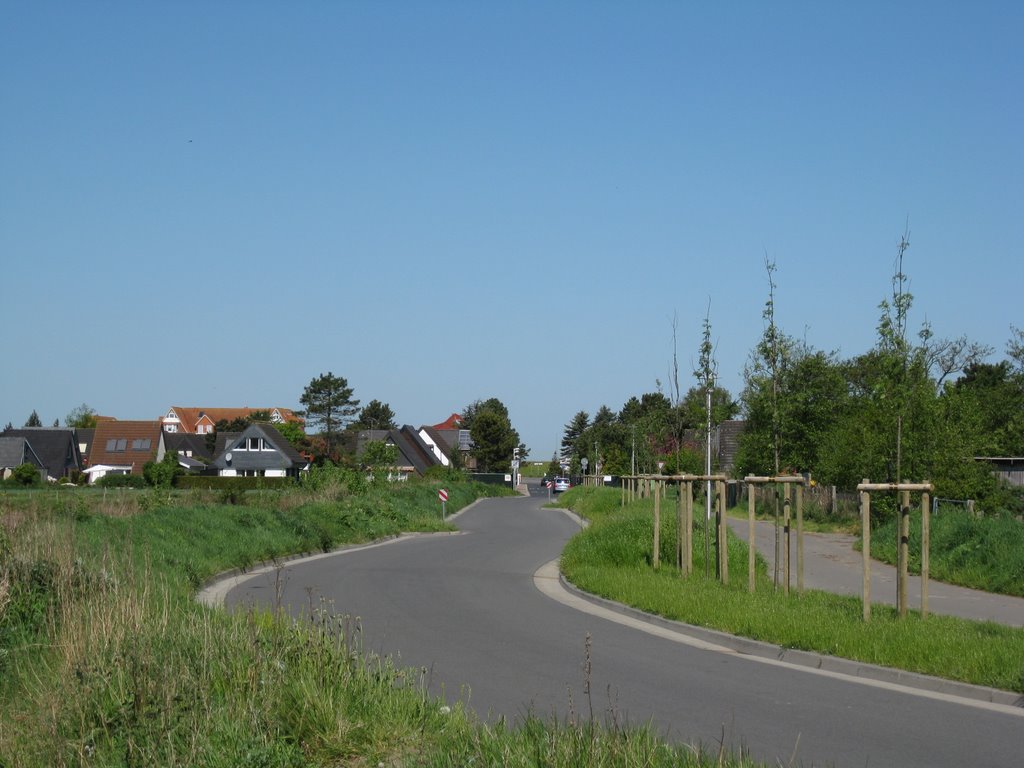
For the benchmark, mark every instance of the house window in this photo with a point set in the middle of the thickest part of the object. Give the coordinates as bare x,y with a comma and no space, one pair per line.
170,427
255,443
252,472
141,444
115,445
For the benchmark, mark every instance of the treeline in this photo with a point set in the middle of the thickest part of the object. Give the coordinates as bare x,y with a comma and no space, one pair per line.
913,407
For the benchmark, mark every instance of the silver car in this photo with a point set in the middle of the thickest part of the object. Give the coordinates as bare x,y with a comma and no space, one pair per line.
562,484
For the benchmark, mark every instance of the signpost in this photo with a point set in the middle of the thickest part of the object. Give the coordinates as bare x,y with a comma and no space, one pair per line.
442,495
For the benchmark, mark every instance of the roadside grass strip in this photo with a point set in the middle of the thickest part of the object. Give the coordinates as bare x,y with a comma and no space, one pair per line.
611,558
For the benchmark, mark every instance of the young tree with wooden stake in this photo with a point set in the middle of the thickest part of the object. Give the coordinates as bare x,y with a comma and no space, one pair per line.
770,351
706,373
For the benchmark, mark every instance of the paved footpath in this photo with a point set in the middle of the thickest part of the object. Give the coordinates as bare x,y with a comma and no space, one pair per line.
831,564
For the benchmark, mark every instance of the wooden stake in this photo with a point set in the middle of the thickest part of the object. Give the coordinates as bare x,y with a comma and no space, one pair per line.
723,530
689,527
786,516
926,536
865,533
751,534
904,542
657,526
680,532
800,539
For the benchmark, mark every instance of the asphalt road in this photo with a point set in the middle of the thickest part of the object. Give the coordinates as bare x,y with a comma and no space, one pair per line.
467,608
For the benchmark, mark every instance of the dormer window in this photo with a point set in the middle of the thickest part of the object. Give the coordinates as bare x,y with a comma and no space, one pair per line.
254,444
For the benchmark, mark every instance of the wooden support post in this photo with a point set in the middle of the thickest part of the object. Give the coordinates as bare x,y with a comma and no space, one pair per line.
680,533
865,533
904,551
786,516
723,530
656,560
926,536
751,534
688,524
800,539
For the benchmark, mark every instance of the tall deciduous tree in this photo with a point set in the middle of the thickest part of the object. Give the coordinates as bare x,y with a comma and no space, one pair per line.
82,417
329,406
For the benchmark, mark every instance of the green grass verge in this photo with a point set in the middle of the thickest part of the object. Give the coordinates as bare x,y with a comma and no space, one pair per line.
612,558
107,660
984,553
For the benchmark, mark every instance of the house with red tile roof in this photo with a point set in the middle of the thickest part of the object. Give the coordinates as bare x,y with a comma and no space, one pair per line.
203,421
123,447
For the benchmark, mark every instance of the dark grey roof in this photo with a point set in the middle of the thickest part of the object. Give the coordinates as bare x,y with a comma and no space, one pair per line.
84,437
413,452
188,463
416,452
56,447
185,443
15,451
284,456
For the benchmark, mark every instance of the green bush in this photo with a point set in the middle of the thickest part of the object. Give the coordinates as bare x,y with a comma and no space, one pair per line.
26,474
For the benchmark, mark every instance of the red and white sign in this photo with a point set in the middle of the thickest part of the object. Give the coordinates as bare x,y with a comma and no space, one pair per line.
442,495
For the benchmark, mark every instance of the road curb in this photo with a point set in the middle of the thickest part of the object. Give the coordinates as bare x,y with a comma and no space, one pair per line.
859,669
214,590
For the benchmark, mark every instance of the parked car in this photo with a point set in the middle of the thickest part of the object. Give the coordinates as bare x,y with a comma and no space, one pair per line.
562,484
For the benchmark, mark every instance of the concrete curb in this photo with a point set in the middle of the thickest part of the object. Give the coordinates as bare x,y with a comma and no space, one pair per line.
743,645
213,591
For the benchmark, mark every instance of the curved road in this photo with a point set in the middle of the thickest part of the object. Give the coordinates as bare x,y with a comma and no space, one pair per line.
466,607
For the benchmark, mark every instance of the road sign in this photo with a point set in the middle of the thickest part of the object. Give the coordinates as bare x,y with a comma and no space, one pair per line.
442,495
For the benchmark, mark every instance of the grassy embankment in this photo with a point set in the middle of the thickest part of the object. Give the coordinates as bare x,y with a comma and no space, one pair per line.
612,558
107,660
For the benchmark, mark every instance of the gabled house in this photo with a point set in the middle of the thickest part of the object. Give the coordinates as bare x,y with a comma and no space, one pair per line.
450,433
56,447
202,421
414,454
258,451
15,451
192,450
123,447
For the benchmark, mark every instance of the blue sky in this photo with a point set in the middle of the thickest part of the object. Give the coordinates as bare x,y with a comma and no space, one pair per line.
209,204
